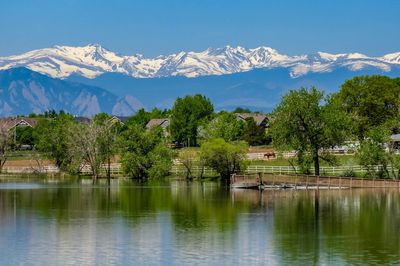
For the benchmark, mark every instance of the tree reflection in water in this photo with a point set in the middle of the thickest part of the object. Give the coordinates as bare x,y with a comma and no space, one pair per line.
178,222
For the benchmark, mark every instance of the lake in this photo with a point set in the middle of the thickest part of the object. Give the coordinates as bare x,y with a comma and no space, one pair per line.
179,223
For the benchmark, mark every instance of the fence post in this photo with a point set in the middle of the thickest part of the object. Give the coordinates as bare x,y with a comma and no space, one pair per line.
340,182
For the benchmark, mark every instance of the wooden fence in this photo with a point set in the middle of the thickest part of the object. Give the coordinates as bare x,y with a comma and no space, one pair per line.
116,170
324,170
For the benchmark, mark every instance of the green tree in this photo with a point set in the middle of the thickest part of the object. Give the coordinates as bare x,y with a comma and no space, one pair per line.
372,101
224,125
51,137
24,135
372,153
157,113
107,138
5,144
145,153
307,122
189,159
241,110
186,116
101,118
254,134
224,157
141,118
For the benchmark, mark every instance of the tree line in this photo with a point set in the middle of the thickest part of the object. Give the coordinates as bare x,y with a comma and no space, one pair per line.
143,152
365,111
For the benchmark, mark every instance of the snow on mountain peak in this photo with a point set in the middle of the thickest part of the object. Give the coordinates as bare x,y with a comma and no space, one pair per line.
93,60
393,58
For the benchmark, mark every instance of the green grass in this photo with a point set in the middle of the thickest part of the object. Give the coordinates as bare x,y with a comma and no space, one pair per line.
25,155
343,160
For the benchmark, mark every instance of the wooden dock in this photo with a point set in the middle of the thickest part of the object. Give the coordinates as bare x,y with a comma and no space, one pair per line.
308,182
246,181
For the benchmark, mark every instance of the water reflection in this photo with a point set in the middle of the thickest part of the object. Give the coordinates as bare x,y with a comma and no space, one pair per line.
201,223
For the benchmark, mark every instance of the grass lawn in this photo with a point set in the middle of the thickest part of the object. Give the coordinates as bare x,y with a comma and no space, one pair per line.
25,155
343,160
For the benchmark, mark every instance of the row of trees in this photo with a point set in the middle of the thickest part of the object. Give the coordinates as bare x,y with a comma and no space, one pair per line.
100,142
143,153
193,120
364,111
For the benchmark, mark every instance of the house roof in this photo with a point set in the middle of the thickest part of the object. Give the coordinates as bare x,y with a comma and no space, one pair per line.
156,122
395,137
120,119
123,119
259,118
12,122
82,119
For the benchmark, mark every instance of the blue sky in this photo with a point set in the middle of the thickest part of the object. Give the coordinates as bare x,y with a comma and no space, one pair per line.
154,27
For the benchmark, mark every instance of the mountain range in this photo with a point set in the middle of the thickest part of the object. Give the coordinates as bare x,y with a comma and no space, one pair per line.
24,91
93,60
89,79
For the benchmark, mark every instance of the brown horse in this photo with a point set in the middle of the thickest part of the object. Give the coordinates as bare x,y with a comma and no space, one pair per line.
269,155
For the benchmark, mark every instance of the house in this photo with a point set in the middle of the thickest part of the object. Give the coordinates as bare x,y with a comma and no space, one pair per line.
82,119
13,122
159,122
119,119
260,119
395,143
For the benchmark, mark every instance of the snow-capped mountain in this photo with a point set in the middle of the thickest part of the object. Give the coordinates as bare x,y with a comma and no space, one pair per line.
93,60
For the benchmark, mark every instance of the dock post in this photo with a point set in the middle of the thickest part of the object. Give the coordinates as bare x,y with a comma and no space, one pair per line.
307,182
329,182
260,178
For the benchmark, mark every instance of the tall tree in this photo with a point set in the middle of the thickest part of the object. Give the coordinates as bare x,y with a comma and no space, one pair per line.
372,153
5,144
372,101
140,118
224,125
254,134
51,137
307,122
84,146
107,138
186,115
145,153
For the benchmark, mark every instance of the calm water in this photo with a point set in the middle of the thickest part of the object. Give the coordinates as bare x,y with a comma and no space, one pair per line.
177,223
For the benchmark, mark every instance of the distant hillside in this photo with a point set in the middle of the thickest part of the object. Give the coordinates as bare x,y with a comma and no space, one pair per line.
23,91
258,89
